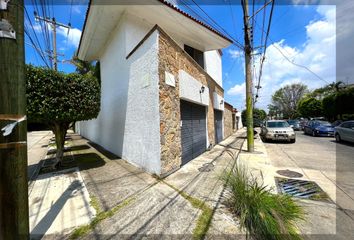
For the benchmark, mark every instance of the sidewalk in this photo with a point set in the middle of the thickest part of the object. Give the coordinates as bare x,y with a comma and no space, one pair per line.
37,145
103,196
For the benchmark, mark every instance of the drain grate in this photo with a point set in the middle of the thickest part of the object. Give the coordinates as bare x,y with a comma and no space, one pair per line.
289,173
301,189
207,167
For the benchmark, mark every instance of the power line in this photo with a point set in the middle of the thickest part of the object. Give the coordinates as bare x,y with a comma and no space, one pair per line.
236,42
264,49
37,44
294,63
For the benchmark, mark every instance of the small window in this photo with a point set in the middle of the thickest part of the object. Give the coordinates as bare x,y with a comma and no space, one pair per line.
197,55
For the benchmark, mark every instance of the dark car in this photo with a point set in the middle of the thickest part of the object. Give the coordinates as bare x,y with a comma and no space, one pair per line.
295,124
319,128
337,123
303,123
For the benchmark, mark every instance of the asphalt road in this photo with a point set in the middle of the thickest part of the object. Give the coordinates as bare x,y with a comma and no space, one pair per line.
324,159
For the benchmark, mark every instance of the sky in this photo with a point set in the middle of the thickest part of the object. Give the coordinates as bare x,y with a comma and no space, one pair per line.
299,35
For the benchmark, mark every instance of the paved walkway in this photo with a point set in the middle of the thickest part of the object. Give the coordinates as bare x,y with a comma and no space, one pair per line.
121,200
150,206
37,145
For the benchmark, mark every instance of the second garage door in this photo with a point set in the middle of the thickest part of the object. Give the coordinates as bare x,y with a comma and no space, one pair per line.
218,126
193,130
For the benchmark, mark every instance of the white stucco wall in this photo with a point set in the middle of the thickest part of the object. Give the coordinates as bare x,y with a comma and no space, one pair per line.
218,101
189,89
212,61
128,123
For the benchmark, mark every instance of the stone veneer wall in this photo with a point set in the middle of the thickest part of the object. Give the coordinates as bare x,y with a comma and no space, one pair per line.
228,128
172,59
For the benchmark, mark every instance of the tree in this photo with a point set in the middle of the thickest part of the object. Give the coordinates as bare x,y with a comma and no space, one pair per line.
310,107
259,115
329,106
272,111
58,99
287,98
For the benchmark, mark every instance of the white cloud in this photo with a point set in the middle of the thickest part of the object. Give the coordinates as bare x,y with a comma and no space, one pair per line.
73,37
235,53
318,54
77,9
237,90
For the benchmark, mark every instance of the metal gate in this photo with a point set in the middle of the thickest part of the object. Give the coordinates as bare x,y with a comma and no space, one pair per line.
218,126
193,130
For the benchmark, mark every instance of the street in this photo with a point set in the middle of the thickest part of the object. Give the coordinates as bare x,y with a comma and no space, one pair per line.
329,164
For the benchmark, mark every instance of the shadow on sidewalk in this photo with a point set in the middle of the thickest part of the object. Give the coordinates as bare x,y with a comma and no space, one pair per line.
44,224
84,161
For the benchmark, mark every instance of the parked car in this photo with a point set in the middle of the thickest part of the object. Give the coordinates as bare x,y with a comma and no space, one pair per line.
295,124
345,132
319,128
278,130
336,123
303,123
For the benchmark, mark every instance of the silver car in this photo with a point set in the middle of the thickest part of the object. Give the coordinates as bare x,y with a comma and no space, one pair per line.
345,132
278,130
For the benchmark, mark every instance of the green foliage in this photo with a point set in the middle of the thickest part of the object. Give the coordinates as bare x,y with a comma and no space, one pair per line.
329,106
58,99
310,107
287,98
259,115
344,101
55,96
263,214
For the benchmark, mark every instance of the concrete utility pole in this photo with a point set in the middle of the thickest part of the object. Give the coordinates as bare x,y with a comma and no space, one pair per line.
248,67
13,134
54,24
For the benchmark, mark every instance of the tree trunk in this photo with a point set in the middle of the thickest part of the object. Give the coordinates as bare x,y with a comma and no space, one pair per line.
59,130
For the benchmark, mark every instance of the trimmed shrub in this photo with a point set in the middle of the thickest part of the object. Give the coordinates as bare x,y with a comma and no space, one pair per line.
58,99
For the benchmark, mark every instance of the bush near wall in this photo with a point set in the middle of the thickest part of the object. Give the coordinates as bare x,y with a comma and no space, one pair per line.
58,99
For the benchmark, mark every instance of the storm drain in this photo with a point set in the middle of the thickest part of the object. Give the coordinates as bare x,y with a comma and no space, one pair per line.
301,189
289,173
207,167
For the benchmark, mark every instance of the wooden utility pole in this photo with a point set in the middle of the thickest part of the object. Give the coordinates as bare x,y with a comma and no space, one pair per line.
248,67
54,24
13,134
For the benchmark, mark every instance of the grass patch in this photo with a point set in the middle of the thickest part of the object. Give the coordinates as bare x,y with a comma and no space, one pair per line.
205,217
95,204
264,215
83,230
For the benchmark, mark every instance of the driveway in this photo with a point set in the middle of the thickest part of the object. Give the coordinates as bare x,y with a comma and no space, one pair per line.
331,165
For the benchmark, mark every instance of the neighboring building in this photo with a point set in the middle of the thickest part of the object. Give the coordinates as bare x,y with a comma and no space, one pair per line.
229,119
162,100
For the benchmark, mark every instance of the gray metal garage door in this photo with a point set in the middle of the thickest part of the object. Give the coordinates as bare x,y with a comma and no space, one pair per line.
218,126
193,130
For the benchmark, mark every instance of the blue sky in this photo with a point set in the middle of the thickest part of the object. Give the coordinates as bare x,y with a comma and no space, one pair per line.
305,34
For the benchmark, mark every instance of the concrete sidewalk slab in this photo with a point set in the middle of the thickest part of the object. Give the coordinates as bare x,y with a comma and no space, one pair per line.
108,178
157,212
208,185
58,203
37,144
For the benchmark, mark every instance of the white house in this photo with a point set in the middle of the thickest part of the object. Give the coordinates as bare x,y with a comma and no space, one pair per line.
161,81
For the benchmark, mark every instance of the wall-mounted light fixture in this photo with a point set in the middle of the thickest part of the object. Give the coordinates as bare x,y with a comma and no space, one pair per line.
221,102
201,89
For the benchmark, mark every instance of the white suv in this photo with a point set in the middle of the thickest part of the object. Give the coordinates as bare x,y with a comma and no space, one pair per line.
278,130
